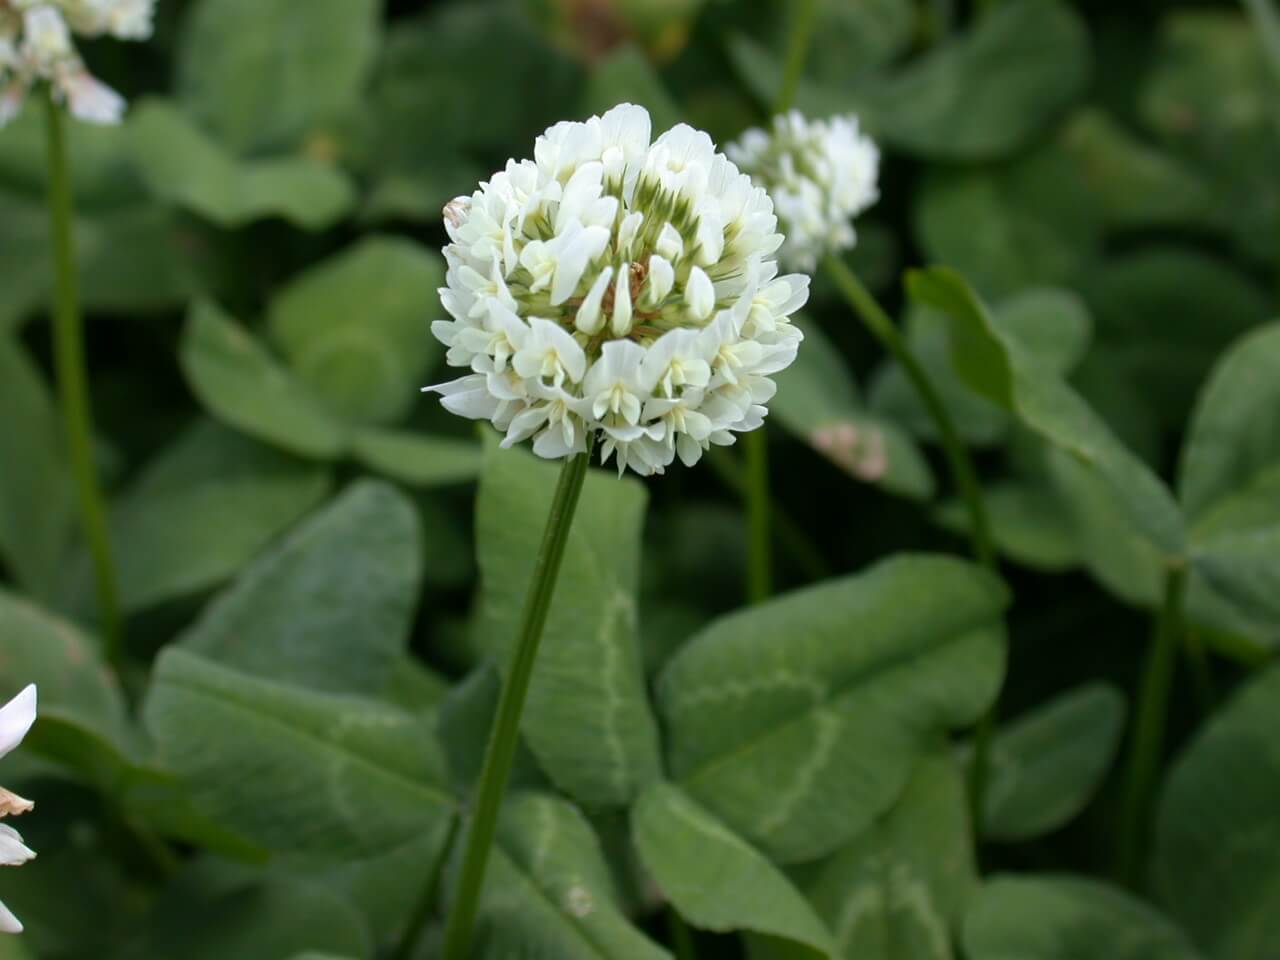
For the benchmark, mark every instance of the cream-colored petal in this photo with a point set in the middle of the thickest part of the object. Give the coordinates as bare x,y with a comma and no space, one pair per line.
12,805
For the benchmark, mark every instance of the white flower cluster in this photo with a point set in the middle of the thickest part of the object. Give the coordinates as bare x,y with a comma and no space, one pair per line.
36,45
16,718
820,173
621,288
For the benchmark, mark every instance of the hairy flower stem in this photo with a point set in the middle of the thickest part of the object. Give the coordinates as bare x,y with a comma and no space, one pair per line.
73,387
506,725
965,477
1147,741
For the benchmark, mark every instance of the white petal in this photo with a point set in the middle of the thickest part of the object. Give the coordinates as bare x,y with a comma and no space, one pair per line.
629,127
45,37
583,188
16,718
662,277
590,318
700,294
467,396
525,423
620,322
710,237
571,355
8,922
799,295
13,852
552,444
690,450
670,244
90,100
627,231
588,244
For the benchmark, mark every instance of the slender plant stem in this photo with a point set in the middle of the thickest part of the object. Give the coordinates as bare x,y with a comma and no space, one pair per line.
756,493
966,479
759,541
790,536
882,327
1147,741
804,14
73,383
413,931
505,733
681,936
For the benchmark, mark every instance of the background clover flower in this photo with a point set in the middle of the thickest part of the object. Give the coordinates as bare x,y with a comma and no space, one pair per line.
820,173
36,45
16,718
621,287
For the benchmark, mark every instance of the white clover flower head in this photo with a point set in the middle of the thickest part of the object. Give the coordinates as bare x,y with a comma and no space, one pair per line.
36,45
16,718
617,288
820,173
123,19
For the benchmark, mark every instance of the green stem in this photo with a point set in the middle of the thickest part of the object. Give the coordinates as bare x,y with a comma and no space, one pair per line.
804,15
882,327
966,480
759,543
788,534
756,495
505,733
408,945
73,386
1147,742
681,936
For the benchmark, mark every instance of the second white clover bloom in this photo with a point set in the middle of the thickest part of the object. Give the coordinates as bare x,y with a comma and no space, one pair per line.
820,173
123,19
620,288
36,46
16,718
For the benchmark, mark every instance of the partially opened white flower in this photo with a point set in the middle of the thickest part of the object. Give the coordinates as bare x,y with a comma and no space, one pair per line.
36,46
16,718
820,173
617,287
